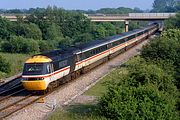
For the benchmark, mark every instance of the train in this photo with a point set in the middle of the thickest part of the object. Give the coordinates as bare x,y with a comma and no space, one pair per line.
43,72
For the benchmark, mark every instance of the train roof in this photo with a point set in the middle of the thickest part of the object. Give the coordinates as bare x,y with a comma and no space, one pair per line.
96,43
60,54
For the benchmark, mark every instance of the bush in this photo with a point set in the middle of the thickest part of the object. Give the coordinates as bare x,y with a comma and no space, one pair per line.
83,38
45,46
32,46
162,48
144,73
144,102
4,65
30,30
173,34
20,45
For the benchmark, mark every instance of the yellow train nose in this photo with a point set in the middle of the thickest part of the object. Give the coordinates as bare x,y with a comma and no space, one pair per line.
34,85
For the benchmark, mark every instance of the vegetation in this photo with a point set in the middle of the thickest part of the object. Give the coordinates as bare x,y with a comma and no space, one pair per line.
120,10
76,112
14,61
4,65
166,6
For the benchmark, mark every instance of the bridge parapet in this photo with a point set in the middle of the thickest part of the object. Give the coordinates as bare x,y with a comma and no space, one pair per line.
151,14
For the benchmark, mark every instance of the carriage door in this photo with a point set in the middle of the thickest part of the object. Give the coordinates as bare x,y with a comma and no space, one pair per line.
51,71
73,61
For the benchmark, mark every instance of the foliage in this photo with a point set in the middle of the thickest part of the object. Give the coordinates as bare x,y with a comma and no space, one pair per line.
83,38
142,93
20,45
45,46
165,5
173,34
98,32
162,48
143,73
53,32
59,27
110,29
173,23
143,102
120,10
4,65
16,62
5,28
30,30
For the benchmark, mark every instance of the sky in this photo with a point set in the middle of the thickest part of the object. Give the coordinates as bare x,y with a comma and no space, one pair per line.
76,4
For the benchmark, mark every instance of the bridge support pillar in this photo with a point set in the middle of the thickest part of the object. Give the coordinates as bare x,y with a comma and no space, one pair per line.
126,26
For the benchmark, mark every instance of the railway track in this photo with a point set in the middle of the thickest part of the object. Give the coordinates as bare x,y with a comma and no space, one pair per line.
9,107
11,85
13,97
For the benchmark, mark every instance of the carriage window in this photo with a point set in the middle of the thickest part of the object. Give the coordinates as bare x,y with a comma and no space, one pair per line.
48,68
62,63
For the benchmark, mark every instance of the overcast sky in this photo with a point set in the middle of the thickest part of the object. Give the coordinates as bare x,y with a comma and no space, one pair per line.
76,4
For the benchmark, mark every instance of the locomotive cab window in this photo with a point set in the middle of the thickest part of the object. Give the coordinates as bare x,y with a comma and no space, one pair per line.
36,68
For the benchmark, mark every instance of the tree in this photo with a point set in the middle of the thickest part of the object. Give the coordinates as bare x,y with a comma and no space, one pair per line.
4,65
20,45
173,22
144,102
45,46
53,32
5,28
141,93
30,30
98,32
82,38
110,29
164,5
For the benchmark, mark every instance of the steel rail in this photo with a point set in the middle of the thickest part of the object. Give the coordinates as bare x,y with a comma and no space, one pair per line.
12,88
10,95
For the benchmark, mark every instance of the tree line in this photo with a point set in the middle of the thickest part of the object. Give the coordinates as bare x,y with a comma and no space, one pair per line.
52,28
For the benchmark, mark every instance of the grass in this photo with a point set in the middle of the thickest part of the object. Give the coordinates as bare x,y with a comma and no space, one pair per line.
101,87
76,112
16,61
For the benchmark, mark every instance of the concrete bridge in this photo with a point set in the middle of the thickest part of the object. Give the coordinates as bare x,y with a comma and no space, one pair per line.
112,17
129,17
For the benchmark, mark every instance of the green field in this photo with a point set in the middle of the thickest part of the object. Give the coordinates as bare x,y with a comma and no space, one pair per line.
76,112
101,87
16,61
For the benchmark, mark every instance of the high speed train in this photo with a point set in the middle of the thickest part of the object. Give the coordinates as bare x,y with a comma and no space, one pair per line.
44,71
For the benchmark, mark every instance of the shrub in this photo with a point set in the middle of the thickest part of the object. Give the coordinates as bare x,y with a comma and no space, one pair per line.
85,37
4,65
32,46
30,30
162,48
144,102
45,46
20,45
144,73
173,34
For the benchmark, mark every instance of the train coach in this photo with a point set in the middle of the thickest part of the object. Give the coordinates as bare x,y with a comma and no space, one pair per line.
45,71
